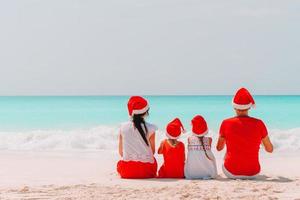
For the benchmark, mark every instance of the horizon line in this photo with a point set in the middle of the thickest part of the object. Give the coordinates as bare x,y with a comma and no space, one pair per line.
125,95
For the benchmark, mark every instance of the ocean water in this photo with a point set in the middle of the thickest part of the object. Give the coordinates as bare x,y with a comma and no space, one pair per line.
91,122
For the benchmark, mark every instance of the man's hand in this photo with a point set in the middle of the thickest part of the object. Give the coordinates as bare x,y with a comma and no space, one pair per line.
267,144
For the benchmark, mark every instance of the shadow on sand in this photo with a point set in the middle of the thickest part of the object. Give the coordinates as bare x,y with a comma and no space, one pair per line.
279,179
259,178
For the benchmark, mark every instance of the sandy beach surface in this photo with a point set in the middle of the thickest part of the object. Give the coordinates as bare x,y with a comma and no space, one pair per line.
91,175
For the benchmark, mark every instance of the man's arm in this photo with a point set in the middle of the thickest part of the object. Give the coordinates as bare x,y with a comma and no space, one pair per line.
221,143
267,144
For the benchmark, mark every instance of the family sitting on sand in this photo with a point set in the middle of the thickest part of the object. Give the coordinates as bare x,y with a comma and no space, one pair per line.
241,134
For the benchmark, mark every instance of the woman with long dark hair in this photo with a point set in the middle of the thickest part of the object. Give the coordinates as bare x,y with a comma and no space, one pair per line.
137,142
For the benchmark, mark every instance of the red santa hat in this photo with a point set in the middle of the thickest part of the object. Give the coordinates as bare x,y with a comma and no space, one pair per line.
199,126
174,129
243,100
137,105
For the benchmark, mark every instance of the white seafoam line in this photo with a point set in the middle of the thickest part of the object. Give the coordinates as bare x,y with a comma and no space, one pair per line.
105,138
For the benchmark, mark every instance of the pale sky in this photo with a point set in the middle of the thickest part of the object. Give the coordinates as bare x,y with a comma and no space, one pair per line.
97,47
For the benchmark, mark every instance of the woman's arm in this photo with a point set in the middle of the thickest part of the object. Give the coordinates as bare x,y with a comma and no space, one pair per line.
221,143
267,144
160,149
120,145
152,142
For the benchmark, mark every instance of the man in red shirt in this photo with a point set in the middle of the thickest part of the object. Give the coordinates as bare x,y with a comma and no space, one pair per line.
242,136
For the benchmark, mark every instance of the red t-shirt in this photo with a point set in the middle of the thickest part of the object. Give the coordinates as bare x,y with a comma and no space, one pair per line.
174,158
243,137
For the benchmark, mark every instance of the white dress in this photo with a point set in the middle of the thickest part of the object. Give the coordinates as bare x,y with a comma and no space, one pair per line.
197,165
134,147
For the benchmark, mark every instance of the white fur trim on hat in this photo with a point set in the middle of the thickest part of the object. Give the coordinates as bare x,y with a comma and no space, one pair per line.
200,135
141,111
242,107
171,137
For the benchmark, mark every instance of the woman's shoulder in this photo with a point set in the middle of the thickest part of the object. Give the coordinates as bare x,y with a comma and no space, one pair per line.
125,125
151,127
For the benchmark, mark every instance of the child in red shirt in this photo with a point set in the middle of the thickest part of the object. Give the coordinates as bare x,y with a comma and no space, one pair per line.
173,152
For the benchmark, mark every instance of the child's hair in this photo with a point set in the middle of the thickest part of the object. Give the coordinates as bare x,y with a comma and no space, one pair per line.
202,143
138,120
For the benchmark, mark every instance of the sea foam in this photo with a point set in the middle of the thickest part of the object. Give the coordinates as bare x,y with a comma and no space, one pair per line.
106,138
98,138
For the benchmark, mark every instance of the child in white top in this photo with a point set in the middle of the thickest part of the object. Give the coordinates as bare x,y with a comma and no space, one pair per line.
200,163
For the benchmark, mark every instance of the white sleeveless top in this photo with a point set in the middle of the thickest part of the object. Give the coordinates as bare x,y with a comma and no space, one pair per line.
134,147
197,165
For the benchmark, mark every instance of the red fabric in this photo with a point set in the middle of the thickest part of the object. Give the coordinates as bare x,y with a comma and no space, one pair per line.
174,158
136,169
243,97
136,103
243,137
199,125
174,128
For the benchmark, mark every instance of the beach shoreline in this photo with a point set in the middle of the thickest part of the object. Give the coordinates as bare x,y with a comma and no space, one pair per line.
92,175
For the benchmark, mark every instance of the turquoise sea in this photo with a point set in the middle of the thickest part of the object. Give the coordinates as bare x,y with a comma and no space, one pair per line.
90,123
76,112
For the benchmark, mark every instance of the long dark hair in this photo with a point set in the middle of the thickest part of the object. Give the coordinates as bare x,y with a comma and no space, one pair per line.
202,143
138,121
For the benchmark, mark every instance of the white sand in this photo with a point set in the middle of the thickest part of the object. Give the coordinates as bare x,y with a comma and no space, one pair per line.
91,175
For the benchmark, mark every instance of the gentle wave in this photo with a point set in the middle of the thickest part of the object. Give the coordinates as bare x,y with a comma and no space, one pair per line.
98,138
106,138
